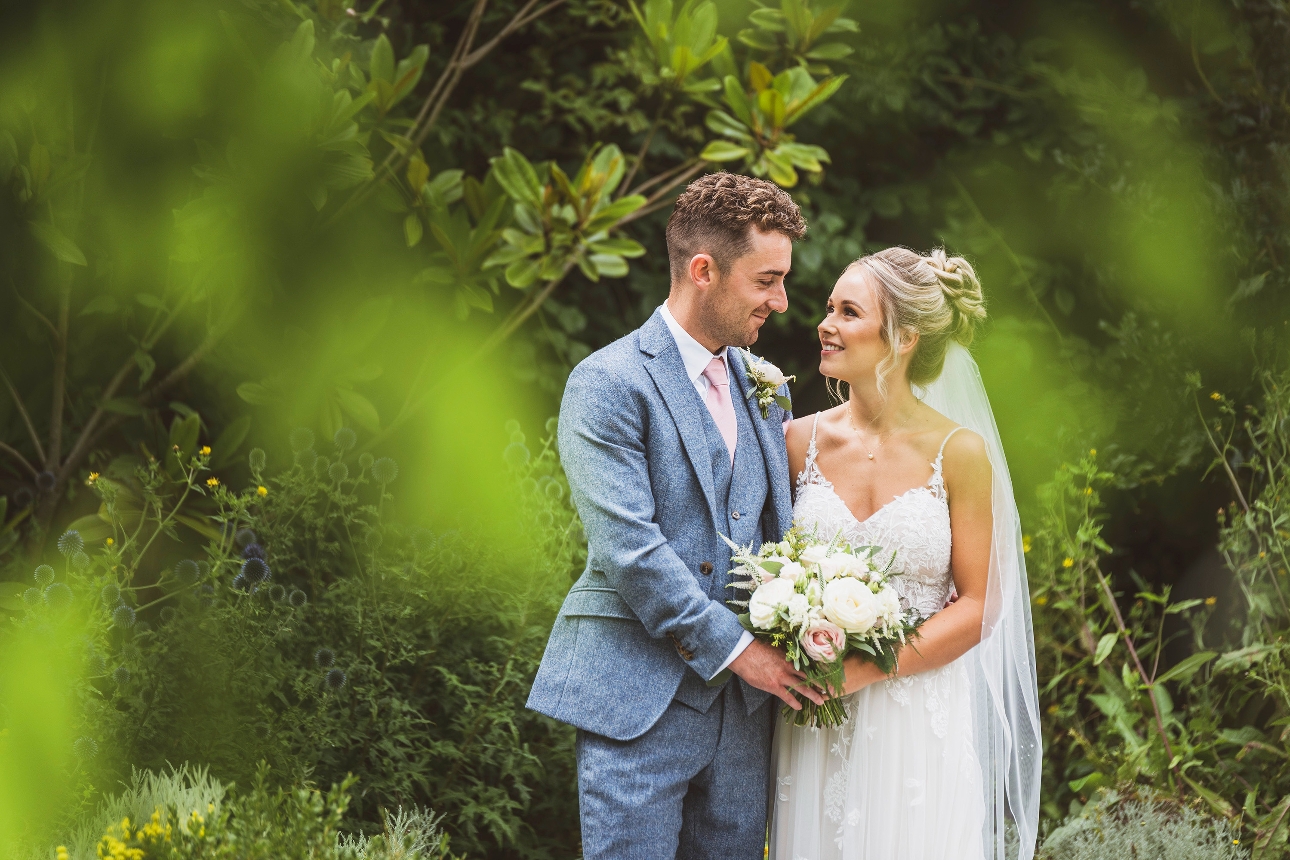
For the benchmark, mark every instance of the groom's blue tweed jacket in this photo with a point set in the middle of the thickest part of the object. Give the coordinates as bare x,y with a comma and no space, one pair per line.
651,604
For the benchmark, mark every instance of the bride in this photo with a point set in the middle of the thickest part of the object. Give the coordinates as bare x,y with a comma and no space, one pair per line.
943,759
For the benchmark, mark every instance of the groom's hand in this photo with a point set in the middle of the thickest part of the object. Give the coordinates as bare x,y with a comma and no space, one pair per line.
767,669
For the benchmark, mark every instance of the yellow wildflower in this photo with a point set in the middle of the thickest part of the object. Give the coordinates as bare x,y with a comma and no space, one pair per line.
205,451
1068,562
1025,543
1263,555
94,476
262,490
111,542
1088,491
1092,452
62,852
1041,600
212,482
1052,709
1216,396
1210,601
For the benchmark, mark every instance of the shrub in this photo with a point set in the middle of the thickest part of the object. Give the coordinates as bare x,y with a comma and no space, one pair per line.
1131,827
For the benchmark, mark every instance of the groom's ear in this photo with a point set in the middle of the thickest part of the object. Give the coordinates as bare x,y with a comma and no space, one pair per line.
702,270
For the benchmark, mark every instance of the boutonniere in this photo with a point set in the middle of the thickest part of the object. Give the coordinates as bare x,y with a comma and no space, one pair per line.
766,380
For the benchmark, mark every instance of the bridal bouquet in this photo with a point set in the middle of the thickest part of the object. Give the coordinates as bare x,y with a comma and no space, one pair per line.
820,602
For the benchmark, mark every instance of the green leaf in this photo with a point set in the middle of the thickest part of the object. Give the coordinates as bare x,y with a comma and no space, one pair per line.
522,273
722,123
255,393
412,229
359,408
724,150
609,265
1272,832
1215,801
1188,667
622,247
476,297
150,301
1104,646
123,406
1088,784
830,51
780,169
737,99
147,364
1182,606
105,304
822,93
226,445
783,402
183,433
610,215
58,244
381,66
517,177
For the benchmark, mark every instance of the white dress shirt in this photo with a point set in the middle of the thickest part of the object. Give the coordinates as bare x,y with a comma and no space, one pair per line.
696,358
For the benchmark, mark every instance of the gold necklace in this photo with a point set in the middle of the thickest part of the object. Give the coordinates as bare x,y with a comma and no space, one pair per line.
881,441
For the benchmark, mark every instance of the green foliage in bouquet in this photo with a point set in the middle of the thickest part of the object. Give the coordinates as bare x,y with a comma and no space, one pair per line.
801,606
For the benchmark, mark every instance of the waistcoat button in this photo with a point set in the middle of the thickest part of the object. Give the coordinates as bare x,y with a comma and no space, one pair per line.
705,567
735,515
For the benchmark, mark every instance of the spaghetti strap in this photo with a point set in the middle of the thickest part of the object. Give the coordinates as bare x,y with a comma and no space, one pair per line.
941,453
810,473
937,482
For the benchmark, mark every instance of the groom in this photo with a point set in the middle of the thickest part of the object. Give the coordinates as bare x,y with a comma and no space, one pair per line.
665,455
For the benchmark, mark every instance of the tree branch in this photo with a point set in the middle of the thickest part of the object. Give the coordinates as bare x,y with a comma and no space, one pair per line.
26,417
33,310
60,381
13,452
658,199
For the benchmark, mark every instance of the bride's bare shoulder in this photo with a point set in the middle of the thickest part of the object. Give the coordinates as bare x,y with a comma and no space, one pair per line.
966,465
798,437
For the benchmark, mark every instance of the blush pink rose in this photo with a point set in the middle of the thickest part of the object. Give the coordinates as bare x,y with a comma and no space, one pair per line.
824,641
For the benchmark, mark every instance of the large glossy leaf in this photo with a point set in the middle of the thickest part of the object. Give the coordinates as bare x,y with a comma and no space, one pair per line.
822,93
724,124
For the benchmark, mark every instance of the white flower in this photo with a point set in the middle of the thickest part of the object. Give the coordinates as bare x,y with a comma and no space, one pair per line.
850,604
770,374
785,548
814,554
767,600
792,571
768,572
840,564
798,610
888,604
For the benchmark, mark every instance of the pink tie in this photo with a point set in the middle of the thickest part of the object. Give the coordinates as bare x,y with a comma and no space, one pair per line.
719,404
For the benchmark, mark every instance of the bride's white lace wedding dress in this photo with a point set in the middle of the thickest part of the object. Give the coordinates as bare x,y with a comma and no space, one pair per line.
900,779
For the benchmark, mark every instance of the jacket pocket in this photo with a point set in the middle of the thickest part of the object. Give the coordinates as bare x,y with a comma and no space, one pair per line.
596,602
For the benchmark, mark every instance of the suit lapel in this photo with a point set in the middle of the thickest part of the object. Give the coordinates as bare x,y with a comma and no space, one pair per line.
770,436
668,372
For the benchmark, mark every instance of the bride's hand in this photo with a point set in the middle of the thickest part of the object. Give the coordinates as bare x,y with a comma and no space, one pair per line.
859,674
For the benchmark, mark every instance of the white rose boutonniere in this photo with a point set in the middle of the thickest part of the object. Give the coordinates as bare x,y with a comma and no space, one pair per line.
766,379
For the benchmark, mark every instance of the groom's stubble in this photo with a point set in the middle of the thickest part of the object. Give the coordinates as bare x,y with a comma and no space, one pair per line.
742,297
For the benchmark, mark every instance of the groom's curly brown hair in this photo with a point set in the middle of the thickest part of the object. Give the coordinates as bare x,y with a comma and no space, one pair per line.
714,213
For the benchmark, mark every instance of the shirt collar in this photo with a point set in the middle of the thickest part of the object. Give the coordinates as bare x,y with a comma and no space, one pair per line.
694,355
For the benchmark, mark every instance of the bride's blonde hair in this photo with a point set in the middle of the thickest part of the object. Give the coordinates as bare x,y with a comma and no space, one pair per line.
936,296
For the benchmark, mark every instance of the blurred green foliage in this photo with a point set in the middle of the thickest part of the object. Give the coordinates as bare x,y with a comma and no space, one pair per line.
407,222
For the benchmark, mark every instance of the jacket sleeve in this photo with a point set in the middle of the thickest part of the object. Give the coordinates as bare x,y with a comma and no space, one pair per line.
602,447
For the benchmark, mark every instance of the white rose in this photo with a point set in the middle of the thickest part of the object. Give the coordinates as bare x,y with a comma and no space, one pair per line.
767,600
888,604
785,548
792,571
833,567
850,604
771,374
798,610
814,554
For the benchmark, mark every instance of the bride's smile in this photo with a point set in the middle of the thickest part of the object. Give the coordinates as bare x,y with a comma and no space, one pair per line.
852,339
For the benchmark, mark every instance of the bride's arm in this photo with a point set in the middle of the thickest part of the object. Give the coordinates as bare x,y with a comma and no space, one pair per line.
952,632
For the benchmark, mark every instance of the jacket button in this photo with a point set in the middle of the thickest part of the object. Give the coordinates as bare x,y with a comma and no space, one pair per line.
735,515
705,567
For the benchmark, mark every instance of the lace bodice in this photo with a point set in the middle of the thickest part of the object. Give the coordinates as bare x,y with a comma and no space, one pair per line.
914,525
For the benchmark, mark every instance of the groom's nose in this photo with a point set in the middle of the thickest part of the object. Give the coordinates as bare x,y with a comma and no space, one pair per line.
778,300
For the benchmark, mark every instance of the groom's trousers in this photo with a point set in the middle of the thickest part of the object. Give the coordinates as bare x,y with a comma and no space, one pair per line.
693,787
